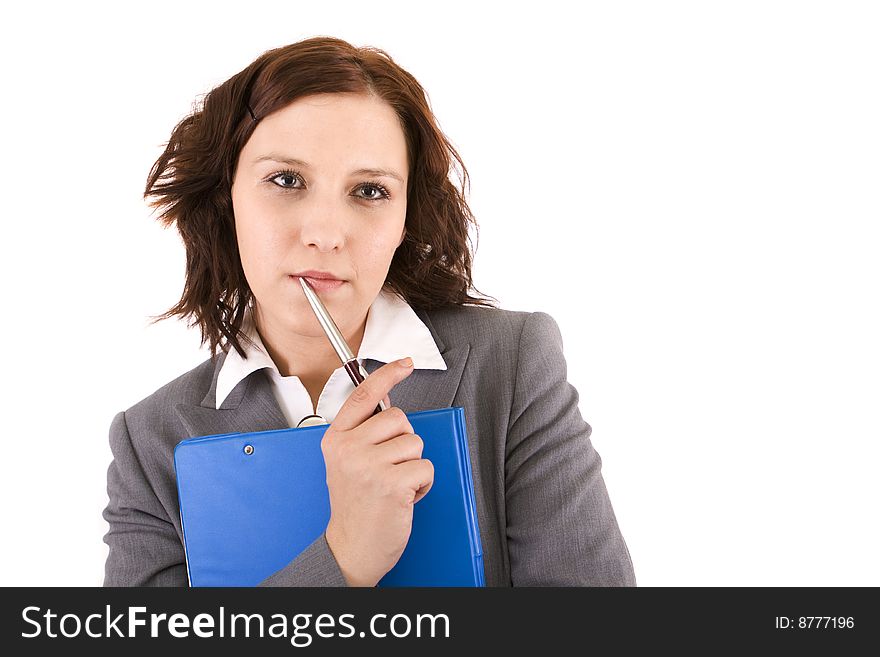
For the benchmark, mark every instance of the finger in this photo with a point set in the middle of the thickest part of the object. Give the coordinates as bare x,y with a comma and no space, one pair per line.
407,447
422,492
382,427
364,399
417,475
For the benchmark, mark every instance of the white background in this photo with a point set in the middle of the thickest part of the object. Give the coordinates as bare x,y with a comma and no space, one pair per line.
689,188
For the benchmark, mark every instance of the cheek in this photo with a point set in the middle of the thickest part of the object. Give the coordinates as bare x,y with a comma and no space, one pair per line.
254,233
385,235
258,247
382,242
376,252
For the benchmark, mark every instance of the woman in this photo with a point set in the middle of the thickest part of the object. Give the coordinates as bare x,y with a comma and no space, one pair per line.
324,160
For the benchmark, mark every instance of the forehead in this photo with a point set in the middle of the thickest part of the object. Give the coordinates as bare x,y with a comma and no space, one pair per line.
331,128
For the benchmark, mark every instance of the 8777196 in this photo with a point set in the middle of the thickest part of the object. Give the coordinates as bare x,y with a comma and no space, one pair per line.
815,622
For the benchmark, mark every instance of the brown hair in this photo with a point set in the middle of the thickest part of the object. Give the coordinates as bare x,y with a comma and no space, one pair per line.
192,182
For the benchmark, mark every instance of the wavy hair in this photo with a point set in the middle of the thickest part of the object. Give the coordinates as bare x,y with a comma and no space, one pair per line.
191,183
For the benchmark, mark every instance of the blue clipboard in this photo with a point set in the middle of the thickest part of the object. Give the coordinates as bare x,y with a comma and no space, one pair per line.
251,502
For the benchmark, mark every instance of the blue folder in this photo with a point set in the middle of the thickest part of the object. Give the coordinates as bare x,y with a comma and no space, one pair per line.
251,502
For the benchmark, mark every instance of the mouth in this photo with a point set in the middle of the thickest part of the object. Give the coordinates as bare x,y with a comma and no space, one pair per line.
319,284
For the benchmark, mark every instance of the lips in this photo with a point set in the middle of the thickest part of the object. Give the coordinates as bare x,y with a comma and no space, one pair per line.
316,274
320,284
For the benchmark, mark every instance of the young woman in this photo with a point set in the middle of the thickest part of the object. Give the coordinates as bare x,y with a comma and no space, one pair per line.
324,160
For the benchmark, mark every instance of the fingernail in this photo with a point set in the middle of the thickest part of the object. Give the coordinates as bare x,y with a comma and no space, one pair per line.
406,362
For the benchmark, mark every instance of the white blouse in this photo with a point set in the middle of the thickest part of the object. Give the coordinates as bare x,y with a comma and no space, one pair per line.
393,331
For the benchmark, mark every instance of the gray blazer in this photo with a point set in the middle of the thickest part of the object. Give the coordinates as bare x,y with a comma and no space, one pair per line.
544,514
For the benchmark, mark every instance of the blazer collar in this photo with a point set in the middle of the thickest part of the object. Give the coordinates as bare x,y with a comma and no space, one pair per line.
251,406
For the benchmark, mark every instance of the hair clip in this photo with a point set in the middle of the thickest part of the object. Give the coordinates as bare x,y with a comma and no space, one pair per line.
251,112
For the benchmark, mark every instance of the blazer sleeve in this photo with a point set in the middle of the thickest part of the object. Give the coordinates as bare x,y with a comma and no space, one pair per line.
145,548
561,528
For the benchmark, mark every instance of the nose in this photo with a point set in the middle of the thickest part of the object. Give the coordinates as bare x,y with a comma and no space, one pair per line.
322,225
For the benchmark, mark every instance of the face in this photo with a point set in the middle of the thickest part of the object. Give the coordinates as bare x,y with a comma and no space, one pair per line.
321,184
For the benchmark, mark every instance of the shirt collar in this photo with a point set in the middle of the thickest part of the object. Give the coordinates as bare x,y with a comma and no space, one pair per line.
393,331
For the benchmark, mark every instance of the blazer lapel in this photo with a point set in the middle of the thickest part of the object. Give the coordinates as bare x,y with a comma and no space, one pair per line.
252,406
425,390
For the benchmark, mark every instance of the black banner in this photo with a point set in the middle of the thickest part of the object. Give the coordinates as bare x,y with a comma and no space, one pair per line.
398,621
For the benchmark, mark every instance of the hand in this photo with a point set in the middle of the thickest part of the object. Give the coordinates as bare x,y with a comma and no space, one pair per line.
375,474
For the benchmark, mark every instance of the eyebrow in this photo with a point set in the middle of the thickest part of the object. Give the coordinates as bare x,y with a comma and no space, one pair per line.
273,157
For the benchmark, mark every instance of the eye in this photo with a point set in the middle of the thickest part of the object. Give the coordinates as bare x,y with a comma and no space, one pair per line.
289,177
375,188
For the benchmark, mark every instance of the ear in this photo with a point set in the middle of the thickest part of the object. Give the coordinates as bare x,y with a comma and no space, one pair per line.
402,235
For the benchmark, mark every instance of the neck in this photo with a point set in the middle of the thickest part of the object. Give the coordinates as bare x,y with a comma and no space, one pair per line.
311,358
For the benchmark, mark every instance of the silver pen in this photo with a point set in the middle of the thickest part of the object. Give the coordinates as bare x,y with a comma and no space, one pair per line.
352,366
